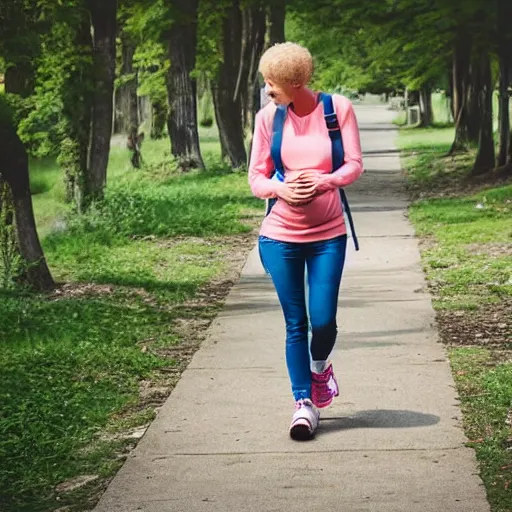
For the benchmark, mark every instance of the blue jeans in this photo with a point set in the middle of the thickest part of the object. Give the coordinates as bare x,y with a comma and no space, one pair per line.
286,263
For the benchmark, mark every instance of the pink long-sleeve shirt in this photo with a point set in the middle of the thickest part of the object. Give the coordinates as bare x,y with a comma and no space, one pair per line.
306,146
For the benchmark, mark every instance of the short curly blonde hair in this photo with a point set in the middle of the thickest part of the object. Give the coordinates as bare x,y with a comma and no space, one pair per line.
287,63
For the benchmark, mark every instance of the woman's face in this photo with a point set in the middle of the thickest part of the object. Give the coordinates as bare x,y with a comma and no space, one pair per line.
280,94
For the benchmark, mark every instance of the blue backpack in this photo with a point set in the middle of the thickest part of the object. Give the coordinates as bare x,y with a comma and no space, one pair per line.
338,154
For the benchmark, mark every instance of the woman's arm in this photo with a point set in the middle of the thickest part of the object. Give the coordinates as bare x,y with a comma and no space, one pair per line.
261,165
352,168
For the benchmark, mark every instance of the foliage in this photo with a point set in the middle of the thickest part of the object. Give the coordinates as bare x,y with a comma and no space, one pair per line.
210,17
377,46
151,63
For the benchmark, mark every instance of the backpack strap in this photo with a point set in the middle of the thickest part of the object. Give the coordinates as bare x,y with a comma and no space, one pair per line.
275,149
338,154
277,140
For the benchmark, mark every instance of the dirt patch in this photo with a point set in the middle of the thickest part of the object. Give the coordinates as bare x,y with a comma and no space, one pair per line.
493,250
79,290
450,178
490,326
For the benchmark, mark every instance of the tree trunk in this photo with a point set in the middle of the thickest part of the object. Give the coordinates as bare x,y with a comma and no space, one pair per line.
460,72
159,115
228,108
277,15
181,87
504,114
9,250
19,80
126,119
485,159
77,101
244,67
259,28
104,23
465,97
253,40
14,170
426,115
450,94
474,88
509,156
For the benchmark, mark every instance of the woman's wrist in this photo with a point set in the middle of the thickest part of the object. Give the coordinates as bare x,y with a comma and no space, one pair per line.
326,182
278,187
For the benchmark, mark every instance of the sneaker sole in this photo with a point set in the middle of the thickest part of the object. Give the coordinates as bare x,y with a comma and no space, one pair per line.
301,432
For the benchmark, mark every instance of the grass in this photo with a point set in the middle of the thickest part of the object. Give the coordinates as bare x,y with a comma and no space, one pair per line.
485,387
467,256
72,362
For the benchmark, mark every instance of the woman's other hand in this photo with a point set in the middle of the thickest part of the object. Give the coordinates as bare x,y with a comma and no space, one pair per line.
311,180
296,193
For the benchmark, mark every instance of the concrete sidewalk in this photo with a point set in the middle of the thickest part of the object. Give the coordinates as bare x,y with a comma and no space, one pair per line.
391,442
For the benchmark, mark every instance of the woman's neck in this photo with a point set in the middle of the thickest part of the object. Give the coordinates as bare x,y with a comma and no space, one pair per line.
304,102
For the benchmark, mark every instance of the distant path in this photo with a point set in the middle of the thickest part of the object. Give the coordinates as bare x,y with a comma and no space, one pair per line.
392,442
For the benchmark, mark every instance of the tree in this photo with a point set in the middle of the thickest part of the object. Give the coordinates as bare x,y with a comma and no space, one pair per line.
504,36
276,18
181,86
254,41
126,119
104,24
228,105
14,170
485,158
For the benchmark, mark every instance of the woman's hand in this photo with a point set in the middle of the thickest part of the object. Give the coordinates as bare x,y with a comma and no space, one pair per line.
296,193
313,181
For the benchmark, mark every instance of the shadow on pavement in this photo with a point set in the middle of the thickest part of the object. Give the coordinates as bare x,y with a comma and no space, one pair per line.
378,418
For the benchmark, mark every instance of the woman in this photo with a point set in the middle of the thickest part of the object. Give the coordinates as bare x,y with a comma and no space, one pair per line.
305,228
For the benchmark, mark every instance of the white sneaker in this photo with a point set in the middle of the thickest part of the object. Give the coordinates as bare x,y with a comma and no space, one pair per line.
304,421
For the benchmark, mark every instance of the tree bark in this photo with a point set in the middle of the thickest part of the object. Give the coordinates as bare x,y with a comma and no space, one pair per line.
485,158
450,94
474,88
228,107
77,101
244,67
253,40
182,88
465,97
258,45
504,101
460,73
126,119
104,23
509,156
277,15
14,170
159,115
426,114
19,80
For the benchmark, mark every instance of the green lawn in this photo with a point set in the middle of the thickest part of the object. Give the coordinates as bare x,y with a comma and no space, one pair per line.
467,256
72,362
